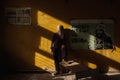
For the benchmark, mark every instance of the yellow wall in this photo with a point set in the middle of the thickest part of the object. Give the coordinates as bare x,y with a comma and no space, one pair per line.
28,47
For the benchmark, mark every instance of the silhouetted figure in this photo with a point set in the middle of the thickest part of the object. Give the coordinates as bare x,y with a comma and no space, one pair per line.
58,47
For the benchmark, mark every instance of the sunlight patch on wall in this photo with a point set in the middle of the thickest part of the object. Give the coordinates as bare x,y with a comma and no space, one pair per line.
44,62
92,66
48,22
111,54
115,55
45,44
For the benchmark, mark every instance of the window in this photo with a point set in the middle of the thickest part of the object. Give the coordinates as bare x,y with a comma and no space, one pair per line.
18,16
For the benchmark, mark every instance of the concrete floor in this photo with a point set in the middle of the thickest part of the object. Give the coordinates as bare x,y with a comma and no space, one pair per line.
48,76
77,73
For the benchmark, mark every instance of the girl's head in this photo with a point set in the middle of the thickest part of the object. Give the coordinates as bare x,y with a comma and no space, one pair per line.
60,30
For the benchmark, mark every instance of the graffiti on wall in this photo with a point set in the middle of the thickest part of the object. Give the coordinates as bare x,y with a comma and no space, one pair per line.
92,34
